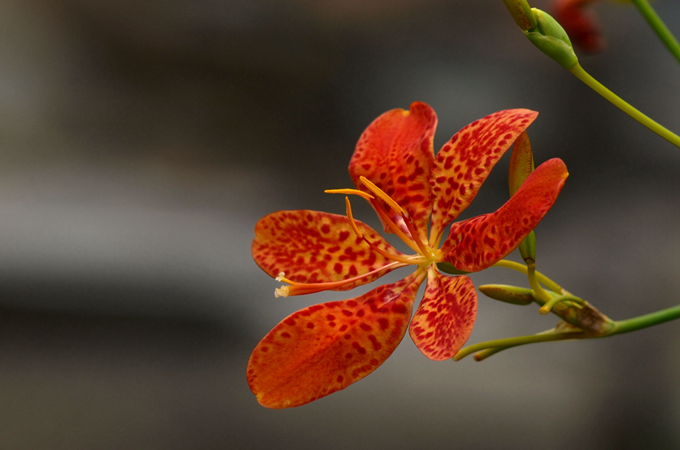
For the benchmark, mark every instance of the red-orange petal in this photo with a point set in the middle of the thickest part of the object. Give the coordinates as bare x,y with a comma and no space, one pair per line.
580,23
465,161
395,153
444,320
325,348
318,247
480,242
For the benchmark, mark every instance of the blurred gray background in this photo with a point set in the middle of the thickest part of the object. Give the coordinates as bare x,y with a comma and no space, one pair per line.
140,141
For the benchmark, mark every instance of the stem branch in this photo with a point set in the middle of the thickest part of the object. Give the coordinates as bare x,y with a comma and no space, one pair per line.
648,320
658,26
522,268
617,101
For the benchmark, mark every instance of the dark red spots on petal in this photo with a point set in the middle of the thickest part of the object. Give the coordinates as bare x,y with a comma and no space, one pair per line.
399,308
358,348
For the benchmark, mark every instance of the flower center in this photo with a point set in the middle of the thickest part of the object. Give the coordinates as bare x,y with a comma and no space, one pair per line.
424,257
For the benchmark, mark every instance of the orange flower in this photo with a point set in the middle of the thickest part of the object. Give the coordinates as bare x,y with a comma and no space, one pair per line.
324,348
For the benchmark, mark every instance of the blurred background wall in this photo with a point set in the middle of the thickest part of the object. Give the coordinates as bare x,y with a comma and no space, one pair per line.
140,141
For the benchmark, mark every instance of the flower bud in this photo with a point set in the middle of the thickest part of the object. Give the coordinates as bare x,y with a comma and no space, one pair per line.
551,39
508,294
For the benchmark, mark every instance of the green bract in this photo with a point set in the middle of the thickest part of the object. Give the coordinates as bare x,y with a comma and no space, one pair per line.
551,39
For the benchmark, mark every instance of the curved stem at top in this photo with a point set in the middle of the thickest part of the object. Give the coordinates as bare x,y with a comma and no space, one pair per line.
658,26
617,101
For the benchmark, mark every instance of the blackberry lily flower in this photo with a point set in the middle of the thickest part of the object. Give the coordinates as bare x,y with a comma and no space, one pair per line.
324,348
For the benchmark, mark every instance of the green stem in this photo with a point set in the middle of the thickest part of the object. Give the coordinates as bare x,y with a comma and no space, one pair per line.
481,356
516,341
535,285
648,320
665,133
659,27
522,268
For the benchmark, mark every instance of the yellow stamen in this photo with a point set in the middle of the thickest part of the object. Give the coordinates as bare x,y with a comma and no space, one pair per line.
421,247
351,220
350,191
393,226
407,260
380,193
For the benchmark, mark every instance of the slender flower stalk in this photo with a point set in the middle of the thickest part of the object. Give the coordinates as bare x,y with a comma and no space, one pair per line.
617,101
658,26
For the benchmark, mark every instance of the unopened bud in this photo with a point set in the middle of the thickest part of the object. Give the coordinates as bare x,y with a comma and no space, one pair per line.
521,163
551,39
508,294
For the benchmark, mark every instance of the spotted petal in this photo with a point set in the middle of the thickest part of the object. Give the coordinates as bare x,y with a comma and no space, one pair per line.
443,322
477,243
317,247
325,348
396,154
465,161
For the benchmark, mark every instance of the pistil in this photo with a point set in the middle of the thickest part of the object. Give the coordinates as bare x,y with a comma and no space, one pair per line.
296,288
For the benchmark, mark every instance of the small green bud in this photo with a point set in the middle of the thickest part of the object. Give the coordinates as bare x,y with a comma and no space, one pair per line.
528,248
521,163
521,12
508,294
551,39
